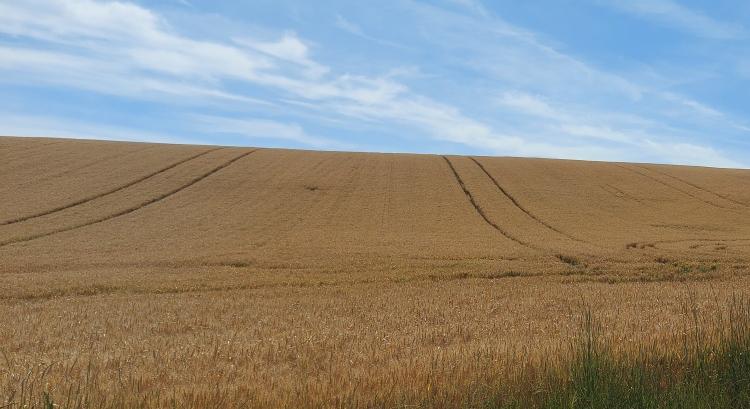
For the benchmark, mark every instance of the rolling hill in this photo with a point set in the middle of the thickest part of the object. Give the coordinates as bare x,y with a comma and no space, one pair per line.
147,275
70,203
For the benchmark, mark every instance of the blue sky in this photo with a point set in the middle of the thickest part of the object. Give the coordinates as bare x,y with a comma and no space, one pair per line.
662,81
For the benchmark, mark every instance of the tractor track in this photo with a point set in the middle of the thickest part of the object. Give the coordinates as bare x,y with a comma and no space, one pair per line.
698,187
479,209
642,244
62,173
697,240
520,207
103,194
104,159
130,209
673,187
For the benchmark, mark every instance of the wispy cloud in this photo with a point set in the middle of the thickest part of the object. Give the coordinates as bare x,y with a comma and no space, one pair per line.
533,99
263,129
673,14
627,138
530,105
475,6
164,60
81,71
494,48
56,127
572,102
351,28
289,48
354,29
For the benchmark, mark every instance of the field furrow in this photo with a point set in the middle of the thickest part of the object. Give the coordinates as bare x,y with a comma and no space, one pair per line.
65,173
148,275
521,208
675,188
479,209
121,212
102,194
702,189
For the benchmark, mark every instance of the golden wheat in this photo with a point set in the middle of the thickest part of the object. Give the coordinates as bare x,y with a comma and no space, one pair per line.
154,275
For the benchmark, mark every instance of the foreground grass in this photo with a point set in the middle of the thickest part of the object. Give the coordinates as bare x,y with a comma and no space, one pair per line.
710,368
706,365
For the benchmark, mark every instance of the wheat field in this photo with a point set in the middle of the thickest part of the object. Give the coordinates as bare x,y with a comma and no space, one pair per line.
147,275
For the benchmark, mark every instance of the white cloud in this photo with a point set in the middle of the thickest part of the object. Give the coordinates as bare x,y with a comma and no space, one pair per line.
475,6
529,104
62,20
40,67
126,62
288,48
515,57
124,49
53,127
354,29
262,128
598,132
573,103
689,154
118,48
695,106
673,14
348,26
626,140
156,49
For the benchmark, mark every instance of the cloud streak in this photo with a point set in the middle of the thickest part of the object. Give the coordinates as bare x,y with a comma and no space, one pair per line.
159,60
542,102
264,129
672,14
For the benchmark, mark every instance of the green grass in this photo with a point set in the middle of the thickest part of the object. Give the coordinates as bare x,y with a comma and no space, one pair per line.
708,369
706,365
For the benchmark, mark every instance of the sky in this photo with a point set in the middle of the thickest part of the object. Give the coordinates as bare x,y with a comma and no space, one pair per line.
657,81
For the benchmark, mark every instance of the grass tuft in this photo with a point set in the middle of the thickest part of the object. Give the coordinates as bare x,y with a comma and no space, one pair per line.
571,260
705,365
709,369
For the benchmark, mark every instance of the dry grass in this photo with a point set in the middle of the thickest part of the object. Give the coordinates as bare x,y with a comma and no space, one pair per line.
309,279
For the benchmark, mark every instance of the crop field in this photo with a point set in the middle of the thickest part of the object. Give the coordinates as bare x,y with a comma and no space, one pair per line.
147,275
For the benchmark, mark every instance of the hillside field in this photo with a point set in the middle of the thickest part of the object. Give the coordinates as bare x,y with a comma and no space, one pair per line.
137,274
